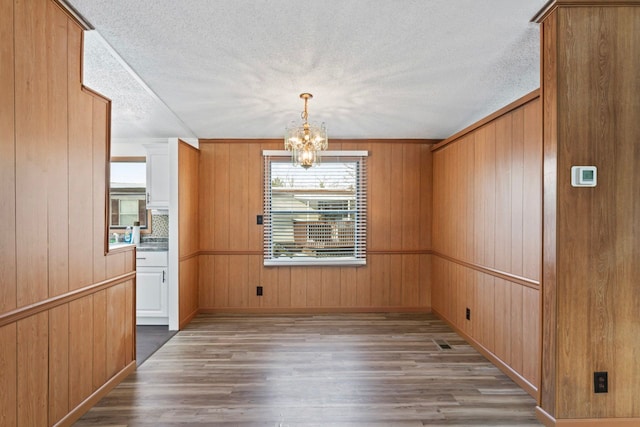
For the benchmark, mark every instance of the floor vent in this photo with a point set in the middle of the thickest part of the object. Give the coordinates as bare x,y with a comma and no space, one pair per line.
443,344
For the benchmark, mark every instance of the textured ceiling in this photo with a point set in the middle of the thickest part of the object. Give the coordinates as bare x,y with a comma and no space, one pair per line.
376,68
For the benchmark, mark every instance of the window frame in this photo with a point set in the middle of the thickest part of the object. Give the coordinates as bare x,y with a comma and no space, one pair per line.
359,257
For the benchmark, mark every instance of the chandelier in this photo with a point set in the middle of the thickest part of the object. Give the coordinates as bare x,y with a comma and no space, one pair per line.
306,140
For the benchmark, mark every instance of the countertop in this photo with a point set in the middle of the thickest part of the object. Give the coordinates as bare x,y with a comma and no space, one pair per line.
153,247
142,247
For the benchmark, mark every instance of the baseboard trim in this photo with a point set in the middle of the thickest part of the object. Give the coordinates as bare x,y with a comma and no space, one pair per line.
311,310
77,412
499,363
550,421
184,322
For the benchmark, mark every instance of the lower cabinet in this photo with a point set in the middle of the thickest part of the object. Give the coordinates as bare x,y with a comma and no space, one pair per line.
151,288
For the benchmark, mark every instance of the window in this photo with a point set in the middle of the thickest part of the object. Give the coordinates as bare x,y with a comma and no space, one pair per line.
127,193
315,216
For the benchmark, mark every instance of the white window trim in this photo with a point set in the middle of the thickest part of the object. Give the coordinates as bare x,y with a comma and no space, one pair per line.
309,261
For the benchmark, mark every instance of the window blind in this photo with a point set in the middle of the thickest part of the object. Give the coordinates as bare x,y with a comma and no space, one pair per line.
315,216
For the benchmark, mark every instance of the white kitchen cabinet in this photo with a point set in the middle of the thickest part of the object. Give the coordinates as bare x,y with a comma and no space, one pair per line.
157,176
151,288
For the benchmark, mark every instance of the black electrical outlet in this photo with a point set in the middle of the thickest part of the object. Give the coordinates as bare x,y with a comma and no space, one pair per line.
259,219
259,291
468,313
600,382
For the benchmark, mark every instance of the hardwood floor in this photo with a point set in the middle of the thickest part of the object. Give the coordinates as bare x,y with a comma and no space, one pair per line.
315,370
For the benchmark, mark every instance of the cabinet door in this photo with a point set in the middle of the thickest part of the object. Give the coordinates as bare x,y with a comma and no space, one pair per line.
151,292
158,178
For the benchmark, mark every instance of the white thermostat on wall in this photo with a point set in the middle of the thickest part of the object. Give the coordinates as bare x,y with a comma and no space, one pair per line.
584,176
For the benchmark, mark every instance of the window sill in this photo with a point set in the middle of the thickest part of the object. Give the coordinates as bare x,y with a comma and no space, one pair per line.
315,262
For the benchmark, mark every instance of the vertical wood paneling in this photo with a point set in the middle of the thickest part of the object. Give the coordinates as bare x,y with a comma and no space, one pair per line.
518,333
298,287
489,193
116,314
591,118
483,192
81,343
549,82
238,188
30,163
254,278
116,264
58,363
32,369
221,161
426,196
221,280
425,280
188,292
99,338
395,215
254,197
7,159
314,286
268,278
410,281
189,214
284,286
232,183
207,203
348,287
466,223
57,154
531,334
379,196
502,320
130,322
488,306
396,285
48,123
363,286
380,280
99,128
81,174
238,275
517,188
331,287
503,247
410,191
206,281
532,188
479,225
8,375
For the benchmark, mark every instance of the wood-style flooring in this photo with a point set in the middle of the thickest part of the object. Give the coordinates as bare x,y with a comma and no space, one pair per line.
149,338
315,370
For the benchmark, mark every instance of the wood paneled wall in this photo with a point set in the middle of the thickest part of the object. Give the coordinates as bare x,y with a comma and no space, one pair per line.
66,309
487,236
188,246
397,274
591,94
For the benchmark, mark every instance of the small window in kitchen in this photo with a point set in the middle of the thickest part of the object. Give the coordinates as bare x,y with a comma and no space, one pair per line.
127,193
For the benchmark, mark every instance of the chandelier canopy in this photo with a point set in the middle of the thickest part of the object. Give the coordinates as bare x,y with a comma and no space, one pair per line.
306,140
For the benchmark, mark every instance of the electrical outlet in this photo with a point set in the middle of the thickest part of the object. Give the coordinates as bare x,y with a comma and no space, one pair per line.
259,291
600,382
468,313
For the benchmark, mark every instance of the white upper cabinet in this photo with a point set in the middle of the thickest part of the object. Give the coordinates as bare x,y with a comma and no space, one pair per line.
157,176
